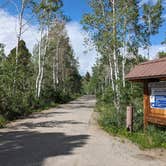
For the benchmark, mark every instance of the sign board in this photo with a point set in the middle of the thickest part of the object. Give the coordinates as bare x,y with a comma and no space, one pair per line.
158,102
158,95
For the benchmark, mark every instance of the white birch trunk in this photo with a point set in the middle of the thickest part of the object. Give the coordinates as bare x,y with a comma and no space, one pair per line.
149,31
124,54
116,70
20,26
53,72
39,63
57,65
111,73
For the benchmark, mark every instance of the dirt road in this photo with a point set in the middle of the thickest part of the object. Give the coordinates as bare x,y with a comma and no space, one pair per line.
66,136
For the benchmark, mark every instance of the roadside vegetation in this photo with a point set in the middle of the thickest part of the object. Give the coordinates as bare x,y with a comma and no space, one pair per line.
153,137
118,32
33,81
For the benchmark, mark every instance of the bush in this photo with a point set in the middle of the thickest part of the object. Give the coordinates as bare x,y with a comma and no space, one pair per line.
2,121
109,117
152,138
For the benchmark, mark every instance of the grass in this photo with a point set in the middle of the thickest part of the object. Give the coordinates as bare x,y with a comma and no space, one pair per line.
145,140
153,137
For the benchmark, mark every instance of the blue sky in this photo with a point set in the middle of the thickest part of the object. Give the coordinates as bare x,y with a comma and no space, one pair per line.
75,10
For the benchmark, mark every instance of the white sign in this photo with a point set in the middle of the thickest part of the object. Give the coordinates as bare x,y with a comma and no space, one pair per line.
158,102
158,95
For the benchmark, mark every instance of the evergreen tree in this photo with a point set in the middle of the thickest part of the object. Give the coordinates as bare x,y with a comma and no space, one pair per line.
2,52
19,102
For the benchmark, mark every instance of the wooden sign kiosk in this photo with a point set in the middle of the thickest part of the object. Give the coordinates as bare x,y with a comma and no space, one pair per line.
153,75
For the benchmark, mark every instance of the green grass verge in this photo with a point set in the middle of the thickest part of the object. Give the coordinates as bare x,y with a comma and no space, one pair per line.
145,140
153,137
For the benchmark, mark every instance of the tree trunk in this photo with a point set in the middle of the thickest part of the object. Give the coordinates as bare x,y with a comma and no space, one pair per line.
124,53
116,70
57,64
20,20
111,73
39,64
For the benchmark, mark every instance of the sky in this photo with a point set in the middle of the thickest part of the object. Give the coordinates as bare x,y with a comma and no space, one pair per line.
75,10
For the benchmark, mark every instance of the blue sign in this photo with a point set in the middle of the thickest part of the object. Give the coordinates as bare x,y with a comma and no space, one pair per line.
158,101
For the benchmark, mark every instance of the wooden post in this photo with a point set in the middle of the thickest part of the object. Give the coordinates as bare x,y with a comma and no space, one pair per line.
129,118
146,103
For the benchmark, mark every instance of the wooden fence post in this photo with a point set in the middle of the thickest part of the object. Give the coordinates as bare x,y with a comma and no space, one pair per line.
129,118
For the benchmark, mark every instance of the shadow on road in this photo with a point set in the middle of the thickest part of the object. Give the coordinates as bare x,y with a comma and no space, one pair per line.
76,106
22,148
82,102
45,115
49,124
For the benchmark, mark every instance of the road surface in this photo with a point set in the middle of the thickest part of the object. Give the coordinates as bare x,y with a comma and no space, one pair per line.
67,136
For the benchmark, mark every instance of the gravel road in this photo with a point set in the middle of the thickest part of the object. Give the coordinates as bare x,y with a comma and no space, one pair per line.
68,136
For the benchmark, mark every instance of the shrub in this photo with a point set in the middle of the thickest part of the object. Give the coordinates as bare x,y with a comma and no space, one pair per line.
153,137
2,121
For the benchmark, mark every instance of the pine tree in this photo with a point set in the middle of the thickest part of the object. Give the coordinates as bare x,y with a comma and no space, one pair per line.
2,52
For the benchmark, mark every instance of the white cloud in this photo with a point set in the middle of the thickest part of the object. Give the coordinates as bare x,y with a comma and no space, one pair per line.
77,36
153,2
154,49
8,35
75,32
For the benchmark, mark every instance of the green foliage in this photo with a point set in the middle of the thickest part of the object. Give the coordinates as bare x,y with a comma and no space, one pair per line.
108,115
20,100
46,10
118,33
86,89
50,76
153,137
16,101
152,17
162,54
2,54
2,121
113,121
152,20
130,95
164,42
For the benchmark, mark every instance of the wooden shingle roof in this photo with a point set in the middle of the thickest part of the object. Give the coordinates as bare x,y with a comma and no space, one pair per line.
148,70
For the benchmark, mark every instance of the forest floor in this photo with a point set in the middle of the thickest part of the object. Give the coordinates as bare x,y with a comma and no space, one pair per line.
69,136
